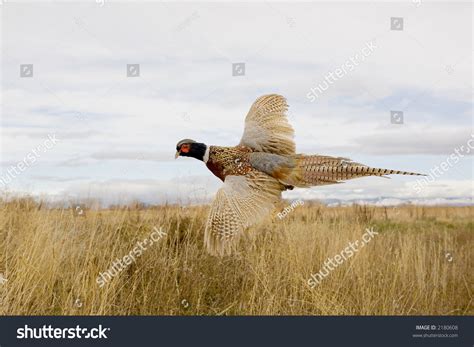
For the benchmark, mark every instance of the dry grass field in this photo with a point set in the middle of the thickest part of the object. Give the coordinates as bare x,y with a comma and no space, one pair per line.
420,262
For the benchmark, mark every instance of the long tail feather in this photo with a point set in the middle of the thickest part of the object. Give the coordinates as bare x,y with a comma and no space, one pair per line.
312,170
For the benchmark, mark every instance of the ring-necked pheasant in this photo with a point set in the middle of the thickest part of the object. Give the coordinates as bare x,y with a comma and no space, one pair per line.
259,168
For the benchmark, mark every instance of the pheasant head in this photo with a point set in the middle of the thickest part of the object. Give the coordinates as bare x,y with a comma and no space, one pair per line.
190,148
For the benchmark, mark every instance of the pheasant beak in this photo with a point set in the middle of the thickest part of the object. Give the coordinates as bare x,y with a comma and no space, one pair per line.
176,155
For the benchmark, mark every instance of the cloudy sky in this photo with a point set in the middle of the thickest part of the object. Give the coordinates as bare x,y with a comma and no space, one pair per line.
116,135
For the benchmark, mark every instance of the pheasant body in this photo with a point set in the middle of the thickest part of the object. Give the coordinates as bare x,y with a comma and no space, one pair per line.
225,161
256,171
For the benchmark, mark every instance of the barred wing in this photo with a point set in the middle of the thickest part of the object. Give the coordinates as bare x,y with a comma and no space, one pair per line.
241,202
267,128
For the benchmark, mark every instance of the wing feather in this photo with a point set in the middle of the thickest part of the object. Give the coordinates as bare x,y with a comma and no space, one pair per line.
267,128
240,203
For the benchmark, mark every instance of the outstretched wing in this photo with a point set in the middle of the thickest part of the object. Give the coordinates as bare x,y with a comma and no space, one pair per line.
267,128
241,202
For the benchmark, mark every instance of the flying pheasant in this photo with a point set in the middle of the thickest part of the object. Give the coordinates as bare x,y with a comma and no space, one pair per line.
259,168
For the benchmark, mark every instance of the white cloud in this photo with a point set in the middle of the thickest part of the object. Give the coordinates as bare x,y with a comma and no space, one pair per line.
106,120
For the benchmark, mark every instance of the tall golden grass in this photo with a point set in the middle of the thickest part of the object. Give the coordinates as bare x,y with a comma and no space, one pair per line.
51,259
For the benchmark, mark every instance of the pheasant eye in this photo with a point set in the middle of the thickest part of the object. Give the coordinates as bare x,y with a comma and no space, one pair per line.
185,148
